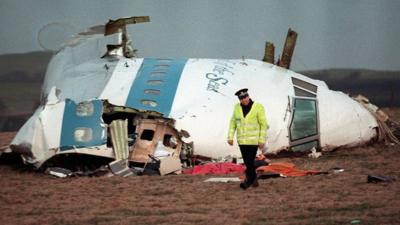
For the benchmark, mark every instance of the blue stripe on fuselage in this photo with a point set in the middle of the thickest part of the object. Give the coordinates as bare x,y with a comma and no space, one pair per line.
154,87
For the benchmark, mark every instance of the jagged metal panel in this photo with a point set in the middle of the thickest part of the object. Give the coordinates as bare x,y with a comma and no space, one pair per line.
120,168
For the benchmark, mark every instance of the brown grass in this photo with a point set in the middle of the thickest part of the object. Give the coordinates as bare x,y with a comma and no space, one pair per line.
28,197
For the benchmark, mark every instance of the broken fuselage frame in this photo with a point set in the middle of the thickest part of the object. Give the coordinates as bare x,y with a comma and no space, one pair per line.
85,128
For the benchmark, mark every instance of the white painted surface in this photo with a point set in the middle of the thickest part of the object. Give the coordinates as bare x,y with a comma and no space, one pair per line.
119,85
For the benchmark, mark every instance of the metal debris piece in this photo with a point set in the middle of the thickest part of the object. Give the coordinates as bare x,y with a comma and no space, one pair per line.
120,168
150,133
288,49
314,154
119,26
269,53
170,165
115,26
267,175
377,179
385,133
337,170
59,172
223,179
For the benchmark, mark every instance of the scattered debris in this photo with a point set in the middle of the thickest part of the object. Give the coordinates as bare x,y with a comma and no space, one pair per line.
120,168
314,154
170,165
287,169
355,222
337,170
59,172
288,49
223,179
99,172
269,53
267,175
216,168
379,178
388,130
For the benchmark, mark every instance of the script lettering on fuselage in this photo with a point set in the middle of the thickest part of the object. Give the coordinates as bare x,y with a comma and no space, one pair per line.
219,75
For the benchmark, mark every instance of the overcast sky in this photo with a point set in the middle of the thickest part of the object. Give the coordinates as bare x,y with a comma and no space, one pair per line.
332,33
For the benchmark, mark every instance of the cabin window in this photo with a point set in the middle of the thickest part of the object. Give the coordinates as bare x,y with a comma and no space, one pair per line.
164,61
161,66
150,103
147,135
158,74
84,109
155,82
152,92
304,123
305,146
83,134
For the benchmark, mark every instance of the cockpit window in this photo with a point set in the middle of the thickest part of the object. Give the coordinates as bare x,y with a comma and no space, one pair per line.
304,123
303,88
305,85
304,93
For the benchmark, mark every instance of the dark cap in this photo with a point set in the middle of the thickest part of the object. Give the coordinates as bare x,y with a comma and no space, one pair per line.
242,93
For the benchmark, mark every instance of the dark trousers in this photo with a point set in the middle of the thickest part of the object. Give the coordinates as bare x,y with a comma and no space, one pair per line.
249,155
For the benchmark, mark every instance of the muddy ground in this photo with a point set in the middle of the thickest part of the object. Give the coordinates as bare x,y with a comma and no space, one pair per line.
28,197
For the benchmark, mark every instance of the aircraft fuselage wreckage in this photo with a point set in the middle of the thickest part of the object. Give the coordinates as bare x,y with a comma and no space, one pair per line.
100,100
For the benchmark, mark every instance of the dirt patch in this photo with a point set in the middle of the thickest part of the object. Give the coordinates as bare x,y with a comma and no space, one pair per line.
28,197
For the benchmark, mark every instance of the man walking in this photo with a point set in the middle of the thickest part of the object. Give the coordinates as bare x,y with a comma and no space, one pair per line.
250,124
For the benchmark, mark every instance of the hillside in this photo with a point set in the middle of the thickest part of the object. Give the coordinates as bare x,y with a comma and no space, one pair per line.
381,87
24,67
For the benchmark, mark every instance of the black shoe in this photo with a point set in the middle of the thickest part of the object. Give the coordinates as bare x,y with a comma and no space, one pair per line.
244,185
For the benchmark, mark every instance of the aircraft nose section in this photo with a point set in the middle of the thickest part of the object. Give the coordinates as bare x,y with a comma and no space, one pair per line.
344,122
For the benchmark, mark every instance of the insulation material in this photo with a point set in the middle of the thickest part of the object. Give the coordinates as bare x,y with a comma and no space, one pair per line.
119,137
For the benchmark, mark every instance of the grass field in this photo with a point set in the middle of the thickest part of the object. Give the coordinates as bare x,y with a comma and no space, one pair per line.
28,197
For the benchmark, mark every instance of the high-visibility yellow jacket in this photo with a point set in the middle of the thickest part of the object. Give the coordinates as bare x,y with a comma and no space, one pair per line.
250,130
